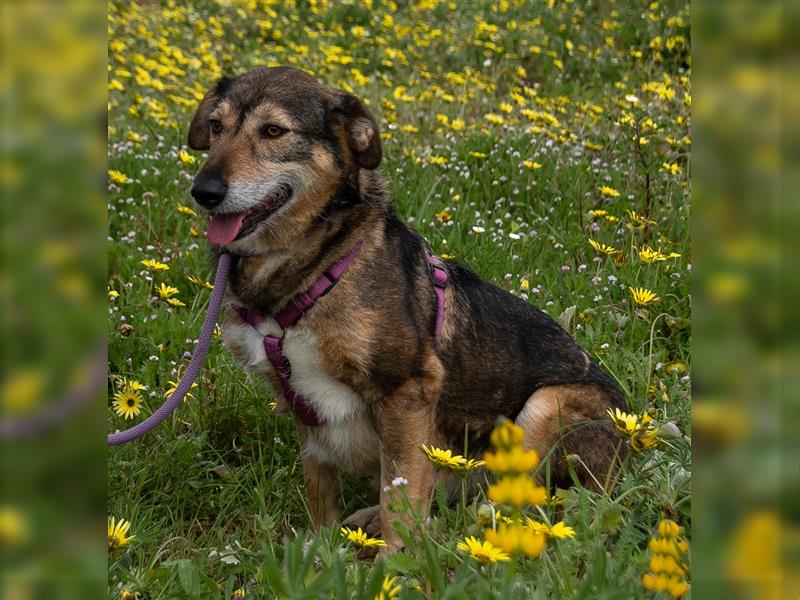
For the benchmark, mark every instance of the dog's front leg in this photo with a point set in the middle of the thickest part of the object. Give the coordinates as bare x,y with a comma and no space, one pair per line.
322,485
406,422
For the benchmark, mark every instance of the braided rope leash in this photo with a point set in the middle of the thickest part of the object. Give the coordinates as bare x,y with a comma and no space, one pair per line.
196,362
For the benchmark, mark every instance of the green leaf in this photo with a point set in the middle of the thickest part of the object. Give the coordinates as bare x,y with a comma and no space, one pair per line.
401,563
189,577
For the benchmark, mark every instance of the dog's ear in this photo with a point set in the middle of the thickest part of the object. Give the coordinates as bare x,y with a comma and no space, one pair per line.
199,128
363,135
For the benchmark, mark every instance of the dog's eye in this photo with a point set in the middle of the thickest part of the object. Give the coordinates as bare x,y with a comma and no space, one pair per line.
216,126
272,131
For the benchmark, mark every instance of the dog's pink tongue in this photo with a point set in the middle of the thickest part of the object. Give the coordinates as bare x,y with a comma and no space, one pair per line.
223,228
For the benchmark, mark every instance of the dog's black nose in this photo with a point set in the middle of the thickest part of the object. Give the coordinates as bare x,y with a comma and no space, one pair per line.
209,191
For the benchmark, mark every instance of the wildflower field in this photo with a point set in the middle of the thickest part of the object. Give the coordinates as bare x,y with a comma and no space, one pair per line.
544,144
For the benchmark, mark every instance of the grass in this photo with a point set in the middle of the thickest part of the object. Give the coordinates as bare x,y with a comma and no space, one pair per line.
502,122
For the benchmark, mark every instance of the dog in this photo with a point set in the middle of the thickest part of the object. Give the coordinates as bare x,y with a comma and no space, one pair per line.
399,349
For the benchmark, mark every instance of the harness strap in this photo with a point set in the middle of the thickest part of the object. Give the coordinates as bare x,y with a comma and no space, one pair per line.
439,285
296,308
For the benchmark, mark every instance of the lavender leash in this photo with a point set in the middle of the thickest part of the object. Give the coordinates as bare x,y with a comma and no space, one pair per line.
196,362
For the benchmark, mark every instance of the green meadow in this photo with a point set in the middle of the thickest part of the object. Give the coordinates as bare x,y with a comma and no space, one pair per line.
545,144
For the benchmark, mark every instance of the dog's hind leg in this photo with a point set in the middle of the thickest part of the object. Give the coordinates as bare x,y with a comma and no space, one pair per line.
369,519
571,420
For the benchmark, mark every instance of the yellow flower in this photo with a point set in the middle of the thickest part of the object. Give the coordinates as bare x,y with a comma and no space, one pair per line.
173,386
133,384
603,248
532,165
13,526
457,124
239,592
113,294
515,538
494,119
648,255
608,192
470,465
524,284
514,460
186,158
644,438
673,585
483,552
478,154
127,594
439,161
118,177
673,168
118,533
361,539
127,403
637,221
659,545
643,296
667,561
668,528
625,423
444,458
166,291
444,215
506,435
560,531
517,491
154,265
389,589
506,108
175,302
185,210
599,212
200,282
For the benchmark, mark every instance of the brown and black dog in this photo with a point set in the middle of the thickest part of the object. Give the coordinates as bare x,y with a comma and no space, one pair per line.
291,185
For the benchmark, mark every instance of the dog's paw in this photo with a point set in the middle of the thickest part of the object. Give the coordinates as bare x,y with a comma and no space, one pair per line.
369,519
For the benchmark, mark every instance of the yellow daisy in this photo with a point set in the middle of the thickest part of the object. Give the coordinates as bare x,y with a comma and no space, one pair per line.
625,423
200,282
173,385
444,458
154,265
643,296
166,291
118,533
644,438
359,538
483,552
127,403
603,248
118,177
470,464
608,192
185,210
175,302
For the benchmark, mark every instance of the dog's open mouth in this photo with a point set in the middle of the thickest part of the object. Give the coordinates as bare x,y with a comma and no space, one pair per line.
223,229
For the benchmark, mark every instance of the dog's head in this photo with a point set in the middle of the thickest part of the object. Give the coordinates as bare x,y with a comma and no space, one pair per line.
280,146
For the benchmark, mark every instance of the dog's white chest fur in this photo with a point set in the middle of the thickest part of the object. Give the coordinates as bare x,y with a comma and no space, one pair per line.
347,439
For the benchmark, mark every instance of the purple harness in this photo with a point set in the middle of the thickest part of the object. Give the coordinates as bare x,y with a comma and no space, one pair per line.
302,302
